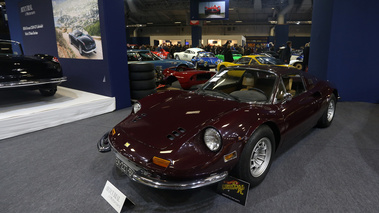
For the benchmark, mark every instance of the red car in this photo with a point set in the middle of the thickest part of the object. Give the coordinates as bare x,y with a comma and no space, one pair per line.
213,10
187,77
236,122
162,53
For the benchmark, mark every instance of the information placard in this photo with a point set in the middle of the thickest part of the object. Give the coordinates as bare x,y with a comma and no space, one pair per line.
113,196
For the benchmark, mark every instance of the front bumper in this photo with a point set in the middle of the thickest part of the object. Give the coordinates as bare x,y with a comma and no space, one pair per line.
138,174
25,83
141,175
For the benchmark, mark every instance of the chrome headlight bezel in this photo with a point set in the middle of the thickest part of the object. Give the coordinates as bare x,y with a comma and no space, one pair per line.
136,107
212,139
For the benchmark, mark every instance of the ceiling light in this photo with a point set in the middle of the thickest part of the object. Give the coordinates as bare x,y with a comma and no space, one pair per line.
238,21
149,23
178,22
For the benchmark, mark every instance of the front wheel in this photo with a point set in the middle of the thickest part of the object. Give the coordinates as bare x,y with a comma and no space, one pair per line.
48,91
256,157
177,57
81,50
221,68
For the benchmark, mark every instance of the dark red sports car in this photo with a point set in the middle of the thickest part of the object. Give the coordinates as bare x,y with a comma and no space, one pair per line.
236,121
213,10
187,77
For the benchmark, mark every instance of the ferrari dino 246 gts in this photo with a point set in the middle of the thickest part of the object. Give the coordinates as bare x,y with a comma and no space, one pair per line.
234,123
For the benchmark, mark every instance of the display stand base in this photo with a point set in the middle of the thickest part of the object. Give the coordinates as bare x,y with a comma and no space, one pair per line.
23,111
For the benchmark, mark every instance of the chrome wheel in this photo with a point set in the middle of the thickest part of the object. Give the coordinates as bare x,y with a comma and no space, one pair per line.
331,110
260,157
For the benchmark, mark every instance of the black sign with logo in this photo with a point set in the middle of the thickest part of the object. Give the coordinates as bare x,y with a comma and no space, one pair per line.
234,189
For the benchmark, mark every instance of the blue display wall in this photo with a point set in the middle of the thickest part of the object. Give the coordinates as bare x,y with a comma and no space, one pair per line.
343,47
107,75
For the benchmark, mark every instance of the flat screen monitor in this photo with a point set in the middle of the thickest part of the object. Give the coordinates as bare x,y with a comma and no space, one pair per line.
210,10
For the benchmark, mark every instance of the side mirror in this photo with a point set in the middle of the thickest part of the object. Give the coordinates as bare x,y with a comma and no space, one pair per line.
287,97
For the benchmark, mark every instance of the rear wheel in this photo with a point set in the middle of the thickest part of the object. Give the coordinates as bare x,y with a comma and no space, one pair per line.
256,157
298,66
327,118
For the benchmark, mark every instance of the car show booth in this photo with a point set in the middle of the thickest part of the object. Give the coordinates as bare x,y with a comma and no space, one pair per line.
39,29
98,80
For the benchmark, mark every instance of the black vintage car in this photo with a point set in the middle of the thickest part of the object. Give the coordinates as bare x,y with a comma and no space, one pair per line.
40,71
84,42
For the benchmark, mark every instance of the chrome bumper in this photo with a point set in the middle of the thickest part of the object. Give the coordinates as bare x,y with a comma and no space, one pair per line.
138,174
25,83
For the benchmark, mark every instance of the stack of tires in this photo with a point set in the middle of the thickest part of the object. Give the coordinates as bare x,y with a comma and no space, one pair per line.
142,80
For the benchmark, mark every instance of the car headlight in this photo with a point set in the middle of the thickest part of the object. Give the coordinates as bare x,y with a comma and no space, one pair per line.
136,107
212,139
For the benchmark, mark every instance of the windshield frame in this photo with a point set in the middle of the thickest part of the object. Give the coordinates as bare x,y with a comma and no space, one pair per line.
214,81
8,45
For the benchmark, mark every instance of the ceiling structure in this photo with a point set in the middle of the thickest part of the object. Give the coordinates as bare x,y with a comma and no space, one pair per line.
241,12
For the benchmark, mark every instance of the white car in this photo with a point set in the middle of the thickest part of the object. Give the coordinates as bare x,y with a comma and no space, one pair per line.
188,54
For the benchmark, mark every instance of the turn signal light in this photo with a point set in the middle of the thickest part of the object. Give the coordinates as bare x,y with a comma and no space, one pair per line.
161,162
230,156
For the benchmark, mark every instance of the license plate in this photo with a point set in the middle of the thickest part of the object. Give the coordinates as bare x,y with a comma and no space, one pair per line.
124,168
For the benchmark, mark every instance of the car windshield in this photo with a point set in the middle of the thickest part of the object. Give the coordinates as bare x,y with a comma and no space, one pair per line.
10,48
244,85
206,54
269,60
142,56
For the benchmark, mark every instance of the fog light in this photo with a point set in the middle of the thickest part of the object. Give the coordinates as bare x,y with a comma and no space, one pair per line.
161,162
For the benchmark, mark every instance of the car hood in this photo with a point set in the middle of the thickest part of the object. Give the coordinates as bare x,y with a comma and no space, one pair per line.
175,119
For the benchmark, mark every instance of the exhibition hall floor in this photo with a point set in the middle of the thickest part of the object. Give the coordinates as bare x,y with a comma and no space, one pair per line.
60,170
23,111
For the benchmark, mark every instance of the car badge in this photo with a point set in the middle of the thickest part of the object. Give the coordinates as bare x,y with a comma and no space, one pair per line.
127,144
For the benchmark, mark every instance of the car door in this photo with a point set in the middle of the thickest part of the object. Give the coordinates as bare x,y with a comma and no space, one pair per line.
297,106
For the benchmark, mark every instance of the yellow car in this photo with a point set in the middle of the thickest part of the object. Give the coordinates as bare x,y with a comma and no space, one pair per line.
253,60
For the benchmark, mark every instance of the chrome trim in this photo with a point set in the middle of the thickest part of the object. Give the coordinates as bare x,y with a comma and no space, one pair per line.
138,174
25,83
89,51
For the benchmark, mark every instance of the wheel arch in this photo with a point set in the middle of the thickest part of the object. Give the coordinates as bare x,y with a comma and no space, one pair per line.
276,131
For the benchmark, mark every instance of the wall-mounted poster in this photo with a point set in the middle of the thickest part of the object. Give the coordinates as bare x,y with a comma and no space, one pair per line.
77,27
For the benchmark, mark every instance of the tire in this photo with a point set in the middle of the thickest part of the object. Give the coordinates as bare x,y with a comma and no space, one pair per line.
140,76
139,94
327,117
221,68
262,140
141,67
177,57
298,66
80,50
143,85
48,91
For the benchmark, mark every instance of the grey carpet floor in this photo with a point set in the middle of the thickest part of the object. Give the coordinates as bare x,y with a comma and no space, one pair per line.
328,170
